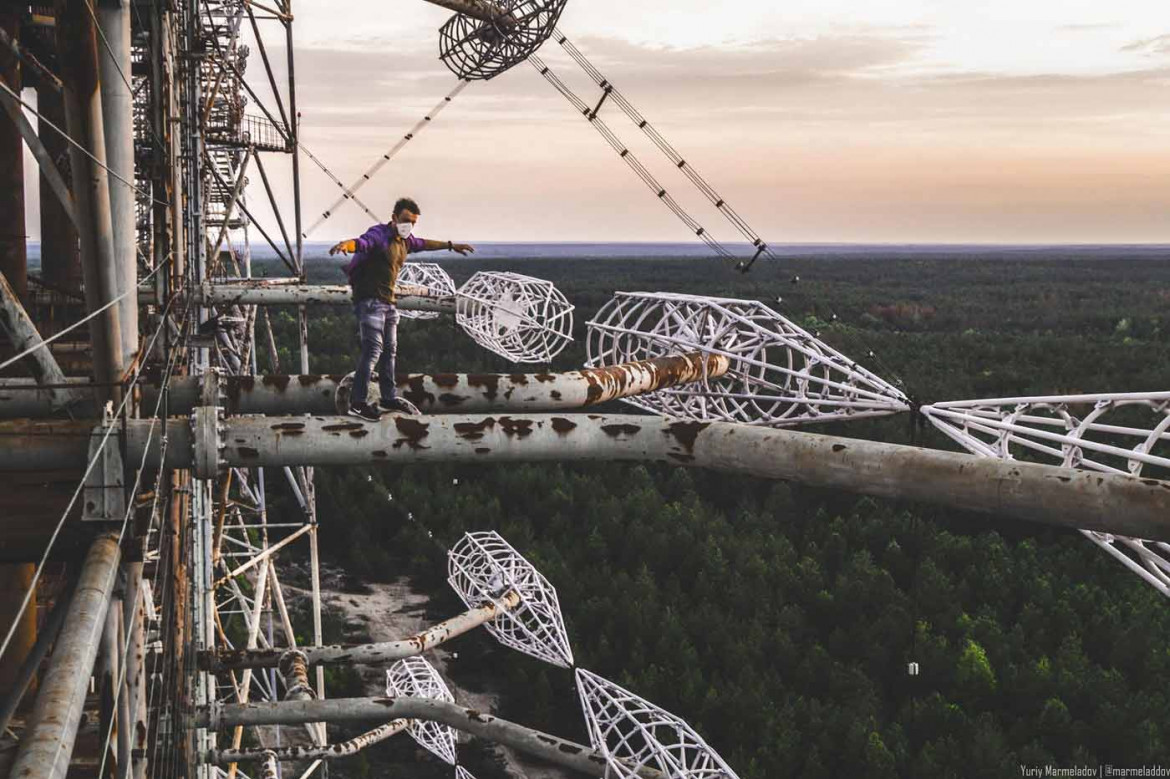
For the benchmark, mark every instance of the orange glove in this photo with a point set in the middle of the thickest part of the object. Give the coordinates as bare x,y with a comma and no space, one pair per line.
345,247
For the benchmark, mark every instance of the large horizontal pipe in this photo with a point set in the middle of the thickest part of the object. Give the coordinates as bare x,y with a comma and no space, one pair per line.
533,742
1109,503
262,293
383,653
311,752
49,736
433,393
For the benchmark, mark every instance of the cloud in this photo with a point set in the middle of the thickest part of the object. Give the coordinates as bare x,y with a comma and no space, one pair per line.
1155,47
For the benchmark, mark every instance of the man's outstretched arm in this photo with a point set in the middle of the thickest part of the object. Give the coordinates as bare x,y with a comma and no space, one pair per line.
345,247
434,246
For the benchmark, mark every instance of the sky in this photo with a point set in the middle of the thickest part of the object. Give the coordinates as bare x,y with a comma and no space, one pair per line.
892,121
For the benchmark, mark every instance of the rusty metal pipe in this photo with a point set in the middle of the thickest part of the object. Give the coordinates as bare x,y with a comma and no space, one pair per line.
262,292
286,754
78,56
1108,503
533,742
440,393
22,334
114,64
49,737
382,653
476,9
1062,497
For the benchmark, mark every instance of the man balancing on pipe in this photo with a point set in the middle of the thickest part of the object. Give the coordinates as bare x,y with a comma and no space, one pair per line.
378,256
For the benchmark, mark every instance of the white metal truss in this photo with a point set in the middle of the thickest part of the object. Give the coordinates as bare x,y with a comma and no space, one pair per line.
634,734
430,277
780,374
518,317
463,773
1126,433
414,677
482,568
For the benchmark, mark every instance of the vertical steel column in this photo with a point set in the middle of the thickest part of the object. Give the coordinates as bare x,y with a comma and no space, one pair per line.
118,118
60,251
52,728
78,55
13,259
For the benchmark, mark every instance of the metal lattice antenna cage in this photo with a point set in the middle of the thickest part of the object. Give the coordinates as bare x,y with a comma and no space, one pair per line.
431,278
518,317
1126,433
780,374
463,773
414,677
483,568
634,734
479,49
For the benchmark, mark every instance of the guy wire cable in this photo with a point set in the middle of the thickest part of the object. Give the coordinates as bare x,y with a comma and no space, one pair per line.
672,154
348,192
624,152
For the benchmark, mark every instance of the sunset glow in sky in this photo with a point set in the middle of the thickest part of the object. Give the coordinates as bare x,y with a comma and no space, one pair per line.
819,120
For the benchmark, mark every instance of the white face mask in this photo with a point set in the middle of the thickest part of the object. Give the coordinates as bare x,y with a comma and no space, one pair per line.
404,228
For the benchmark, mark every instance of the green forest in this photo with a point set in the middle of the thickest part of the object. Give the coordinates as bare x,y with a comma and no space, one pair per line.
780,620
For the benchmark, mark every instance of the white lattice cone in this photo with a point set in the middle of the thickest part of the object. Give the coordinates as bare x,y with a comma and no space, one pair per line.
426,278
483,567
780,374
633,734
463,773
1111,433
414,677
518,317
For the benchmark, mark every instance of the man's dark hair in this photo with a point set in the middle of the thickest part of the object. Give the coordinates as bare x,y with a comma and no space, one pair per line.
408,203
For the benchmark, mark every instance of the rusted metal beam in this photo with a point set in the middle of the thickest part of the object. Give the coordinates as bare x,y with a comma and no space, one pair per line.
286,754
1108,503
78,56
533,742
60,249
440,393
22,334
13,254
50,174
476,9
48,740
382,653
118,118
264,292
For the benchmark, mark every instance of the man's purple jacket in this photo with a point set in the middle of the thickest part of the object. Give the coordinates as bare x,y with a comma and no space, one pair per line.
376,240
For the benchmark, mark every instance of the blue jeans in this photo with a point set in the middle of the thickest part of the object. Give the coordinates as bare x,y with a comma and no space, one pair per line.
378,330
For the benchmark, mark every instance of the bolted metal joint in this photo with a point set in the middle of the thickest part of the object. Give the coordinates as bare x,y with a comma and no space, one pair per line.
268,768
294,666
208,443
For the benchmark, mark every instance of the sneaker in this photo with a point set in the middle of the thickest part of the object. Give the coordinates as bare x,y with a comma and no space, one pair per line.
364,411
401,405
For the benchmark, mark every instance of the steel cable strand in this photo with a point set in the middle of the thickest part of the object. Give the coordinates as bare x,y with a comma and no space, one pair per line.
624,152
708,191
69,139
349,192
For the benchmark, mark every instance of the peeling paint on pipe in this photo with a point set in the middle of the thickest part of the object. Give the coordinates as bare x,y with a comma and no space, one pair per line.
440,393
533,742
287,754
1109,503
260,293
382,653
